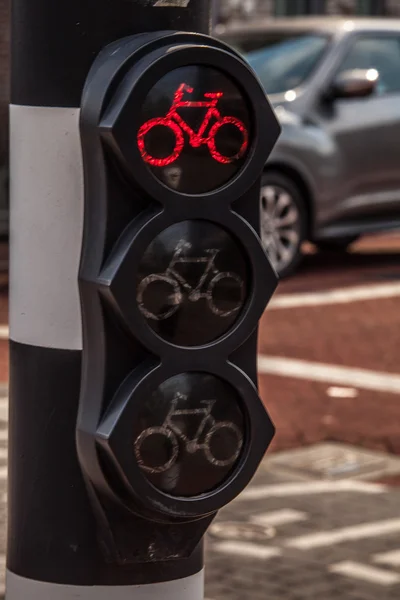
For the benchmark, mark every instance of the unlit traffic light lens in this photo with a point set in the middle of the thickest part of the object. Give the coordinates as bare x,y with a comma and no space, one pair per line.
190,434
193,283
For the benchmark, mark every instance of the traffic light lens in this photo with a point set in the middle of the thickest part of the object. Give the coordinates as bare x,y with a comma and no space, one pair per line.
195,120
192,283
191,424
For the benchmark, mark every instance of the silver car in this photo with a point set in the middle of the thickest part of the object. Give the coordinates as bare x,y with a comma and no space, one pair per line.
335,172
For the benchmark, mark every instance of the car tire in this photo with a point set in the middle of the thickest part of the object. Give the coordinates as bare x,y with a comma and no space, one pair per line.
337,245
284,219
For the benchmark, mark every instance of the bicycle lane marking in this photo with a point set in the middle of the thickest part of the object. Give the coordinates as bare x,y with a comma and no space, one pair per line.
391,558
306,488
364,572
352,533
335,296
171,3
377,381
369,573
247,549
275,518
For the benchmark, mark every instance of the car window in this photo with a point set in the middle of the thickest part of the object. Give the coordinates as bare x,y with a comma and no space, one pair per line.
380,53
285,61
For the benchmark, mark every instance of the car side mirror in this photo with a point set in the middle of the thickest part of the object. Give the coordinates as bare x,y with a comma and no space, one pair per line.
356,83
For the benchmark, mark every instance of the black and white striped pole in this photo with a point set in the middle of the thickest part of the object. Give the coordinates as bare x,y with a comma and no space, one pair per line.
134,415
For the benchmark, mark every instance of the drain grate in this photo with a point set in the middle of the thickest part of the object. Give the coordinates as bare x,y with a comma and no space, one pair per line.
329,460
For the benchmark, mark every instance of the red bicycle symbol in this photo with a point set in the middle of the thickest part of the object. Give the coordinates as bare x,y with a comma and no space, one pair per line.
177,125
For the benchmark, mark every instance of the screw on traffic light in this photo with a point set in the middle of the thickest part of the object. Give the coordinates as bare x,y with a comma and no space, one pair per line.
175,131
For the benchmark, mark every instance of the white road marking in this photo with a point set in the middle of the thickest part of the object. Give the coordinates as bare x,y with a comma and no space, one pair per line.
344,534
275,518
234,530
342,392
3,435
388,558
246,549
3,453
365,572
3,473
336,296
307,488
173,3
4,332
316,371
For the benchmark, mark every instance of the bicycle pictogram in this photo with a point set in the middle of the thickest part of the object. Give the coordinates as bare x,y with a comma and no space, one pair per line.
172,433
233,285
178,126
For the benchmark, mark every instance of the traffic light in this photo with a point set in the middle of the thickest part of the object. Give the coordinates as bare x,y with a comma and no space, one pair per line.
175,132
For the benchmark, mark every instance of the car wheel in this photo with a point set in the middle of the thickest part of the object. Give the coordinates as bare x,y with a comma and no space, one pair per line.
283,222
337,245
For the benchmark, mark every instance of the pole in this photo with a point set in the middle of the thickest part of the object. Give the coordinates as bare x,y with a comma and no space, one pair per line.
52,547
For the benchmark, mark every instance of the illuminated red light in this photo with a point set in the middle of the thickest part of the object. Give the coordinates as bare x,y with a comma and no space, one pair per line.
177,125
213,132
160,122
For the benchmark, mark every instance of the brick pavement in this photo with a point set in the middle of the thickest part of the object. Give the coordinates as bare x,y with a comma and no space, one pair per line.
238,572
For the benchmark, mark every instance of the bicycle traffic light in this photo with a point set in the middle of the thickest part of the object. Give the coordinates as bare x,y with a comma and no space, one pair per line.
175,133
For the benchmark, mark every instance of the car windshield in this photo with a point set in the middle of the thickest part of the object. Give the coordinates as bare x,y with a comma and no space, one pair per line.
284,61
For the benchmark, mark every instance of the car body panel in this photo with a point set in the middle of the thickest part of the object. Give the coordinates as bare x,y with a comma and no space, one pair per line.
346,151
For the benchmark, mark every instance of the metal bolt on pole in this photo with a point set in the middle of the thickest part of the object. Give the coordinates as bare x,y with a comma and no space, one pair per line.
52,542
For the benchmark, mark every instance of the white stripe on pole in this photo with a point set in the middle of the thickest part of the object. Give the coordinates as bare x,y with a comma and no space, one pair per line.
180,589
46,223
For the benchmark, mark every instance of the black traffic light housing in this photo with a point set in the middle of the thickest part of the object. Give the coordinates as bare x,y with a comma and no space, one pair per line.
175,133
